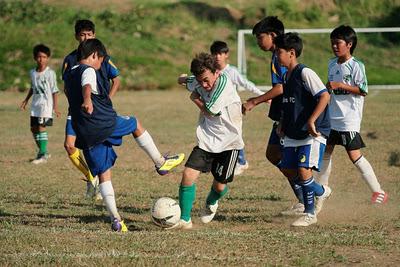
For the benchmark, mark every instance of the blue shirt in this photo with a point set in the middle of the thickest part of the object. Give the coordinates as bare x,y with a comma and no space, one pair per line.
277,77
95,128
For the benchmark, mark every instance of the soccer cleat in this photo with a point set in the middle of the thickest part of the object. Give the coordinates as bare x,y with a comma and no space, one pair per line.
181,224
240,168
170,163
119,226
320,200
92,189
379,197
41,159
305,220
296,210
208,212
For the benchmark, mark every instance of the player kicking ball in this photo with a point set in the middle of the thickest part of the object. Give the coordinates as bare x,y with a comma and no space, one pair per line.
98,127
219,135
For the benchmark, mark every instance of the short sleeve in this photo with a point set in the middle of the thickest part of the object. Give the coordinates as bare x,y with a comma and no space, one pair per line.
89,77
312,82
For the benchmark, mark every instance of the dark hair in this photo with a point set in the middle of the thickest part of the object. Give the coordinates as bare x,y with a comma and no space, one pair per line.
90,46
290,40
203,62
84,25
268,25
41,48
347,34
219,47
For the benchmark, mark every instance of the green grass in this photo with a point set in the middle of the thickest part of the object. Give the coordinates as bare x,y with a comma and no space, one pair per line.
153,41
45,220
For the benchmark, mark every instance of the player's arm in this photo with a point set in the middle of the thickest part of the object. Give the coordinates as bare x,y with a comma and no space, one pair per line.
55,104
26,100
323,100
87,104
196,98
245,83
342,86
115,83
275,91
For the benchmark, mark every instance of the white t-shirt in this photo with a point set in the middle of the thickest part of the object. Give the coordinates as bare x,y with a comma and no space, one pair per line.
44,85
346,108
89,77
223,131
314,85
238,80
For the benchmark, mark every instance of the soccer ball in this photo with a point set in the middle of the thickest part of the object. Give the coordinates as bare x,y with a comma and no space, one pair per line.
165,212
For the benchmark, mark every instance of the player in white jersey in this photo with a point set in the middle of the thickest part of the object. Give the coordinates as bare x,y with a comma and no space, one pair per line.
220,51
219,135
348,84
44,100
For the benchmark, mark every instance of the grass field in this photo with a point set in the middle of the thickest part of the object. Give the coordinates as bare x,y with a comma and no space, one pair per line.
45,220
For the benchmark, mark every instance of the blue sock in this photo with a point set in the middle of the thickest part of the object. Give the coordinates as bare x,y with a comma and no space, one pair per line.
241,157
310,189
297,189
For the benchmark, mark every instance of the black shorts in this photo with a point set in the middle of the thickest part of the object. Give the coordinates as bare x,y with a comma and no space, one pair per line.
39,121
350,140
222,165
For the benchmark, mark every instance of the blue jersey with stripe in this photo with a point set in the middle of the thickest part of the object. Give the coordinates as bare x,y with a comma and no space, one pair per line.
277,77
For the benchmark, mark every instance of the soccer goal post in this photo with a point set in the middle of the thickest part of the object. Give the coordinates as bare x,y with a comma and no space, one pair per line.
241,49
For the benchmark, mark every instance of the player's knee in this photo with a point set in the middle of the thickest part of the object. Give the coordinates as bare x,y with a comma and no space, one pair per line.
69,147
188,177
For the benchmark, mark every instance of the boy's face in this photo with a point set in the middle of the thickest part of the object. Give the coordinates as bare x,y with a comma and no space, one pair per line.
266,41
207,79
41,59
85,35
221,59
340,48
285,57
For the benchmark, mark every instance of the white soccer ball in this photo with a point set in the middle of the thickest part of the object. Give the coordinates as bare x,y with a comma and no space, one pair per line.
165,212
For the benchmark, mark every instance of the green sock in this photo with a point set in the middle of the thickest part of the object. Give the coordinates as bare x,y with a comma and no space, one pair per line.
214,196
43,140
187,194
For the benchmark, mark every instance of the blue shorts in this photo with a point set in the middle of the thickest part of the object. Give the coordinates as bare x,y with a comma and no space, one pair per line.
274,138
102,157
68,127
308,156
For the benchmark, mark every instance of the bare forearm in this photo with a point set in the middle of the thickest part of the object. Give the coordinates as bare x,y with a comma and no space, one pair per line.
322,103
115,86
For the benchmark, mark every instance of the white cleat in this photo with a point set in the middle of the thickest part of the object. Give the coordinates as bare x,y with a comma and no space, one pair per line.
240,168
93,190
296,210
305,220
319,202
182,225
41,159
208,212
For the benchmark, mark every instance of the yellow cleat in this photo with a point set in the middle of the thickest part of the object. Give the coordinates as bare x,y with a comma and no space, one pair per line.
170,163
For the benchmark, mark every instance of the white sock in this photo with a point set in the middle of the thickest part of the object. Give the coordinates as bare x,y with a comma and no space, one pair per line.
107,192
368,174
145,141
323,176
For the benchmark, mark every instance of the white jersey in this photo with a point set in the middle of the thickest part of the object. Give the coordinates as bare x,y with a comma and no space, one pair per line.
238,80
346,108
223,131
44,85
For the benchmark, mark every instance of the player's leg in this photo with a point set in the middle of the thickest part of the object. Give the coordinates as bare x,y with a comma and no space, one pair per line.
163,164
100,159
222,169
323,176
368,175
34,130
242,163
309,157
198,161
288,166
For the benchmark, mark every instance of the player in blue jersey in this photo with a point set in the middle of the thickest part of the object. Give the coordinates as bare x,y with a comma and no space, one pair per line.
85,29
348,83
305,124
98,127
266,31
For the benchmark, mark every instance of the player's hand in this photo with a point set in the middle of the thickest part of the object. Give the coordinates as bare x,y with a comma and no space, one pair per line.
333,85
279,131
23,105
312,130
58,113
87,107
182,79
248,106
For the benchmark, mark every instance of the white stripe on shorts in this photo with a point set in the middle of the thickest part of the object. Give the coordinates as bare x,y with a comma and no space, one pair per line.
232,164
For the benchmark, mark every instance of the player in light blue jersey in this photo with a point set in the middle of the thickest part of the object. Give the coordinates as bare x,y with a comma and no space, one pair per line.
220,51
348,84
84,30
